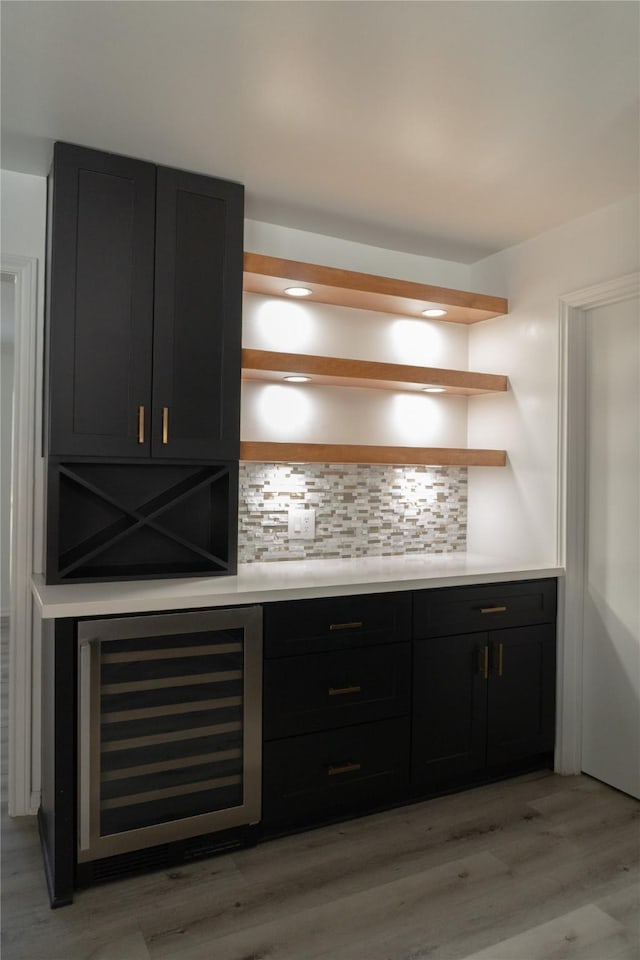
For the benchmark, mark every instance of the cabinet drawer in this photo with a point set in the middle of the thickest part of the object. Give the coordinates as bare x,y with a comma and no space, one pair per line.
309,626
322,775
438,613
335,688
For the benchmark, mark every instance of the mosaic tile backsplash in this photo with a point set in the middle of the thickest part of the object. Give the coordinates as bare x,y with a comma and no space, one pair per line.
362,510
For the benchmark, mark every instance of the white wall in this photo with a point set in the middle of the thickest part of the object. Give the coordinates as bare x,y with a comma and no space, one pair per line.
276,241
296,326
308,413
23,200
513,512
23,206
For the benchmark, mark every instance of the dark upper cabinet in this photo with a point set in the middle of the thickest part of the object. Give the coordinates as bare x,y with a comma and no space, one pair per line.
196,338
100,302
144,310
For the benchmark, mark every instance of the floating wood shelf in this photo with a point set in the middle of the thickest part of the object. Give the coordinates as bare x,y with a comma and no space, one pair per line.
356,453
336,371
346,288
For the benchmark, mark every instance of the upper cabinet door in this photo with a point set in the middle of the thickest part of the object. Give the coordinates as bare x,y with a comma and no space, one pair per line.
100,303
198,314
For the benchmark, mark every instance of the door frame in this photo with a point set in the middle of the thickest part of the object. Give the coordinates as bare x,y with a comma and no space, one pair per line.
574,308
24,651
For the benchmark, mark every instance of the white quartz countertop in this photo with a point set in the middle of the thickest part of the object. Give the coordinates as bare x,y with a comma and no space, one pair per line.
282,580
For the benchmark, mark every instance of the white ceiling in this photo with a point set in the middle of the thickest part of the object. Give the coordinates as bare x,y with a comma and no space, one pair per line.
450,129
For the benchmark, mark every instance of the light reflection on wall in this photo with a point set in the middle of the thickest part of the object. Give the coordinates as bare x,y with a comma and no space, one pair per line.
285,411
284,483
416,418
417,485
419,342
285,325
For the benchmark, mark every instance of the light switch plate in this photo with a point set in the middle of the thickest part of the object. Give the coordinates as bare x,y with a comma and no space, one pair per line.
302,524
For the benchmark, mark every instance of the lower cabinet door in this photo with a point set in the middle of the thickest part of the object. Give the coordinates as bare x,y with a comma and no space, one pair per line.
449,709
323,775
521,694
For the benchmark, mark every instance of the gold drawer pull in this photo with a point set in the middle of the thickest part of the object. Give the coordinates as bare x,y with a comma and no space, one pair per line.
343,768
141,424
339,691
493,609
165,425
353,625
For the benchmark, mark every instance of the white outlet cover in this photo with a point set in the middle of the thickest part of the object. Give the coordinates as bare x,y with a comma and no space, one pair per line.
302,524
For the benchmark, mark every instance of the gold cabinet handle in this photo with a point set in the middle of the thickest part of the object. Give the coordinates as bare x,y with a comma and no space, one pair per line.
484,662
343,768
165,424
493,609
340,691
500,658
140,424
353,625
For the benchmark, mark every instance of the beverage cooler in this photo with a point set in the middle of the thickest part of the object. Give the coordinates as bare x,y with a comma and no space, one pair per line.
169,727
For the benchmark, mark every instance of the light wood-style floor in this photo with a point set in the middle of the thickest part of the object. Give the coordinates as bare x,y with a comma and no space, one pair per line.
538,868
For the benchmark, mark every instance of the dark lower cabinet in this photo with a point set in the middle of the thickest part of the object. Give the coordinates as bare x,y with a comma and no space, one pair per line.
153,728
521,694
57,812
336,623
337,703
337,688
321,776
483,701
449,709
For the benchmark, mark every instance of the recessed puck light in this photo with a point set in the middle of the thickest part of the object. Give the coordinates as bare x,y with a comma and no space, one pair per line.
297,379
298,291
434,313
433,389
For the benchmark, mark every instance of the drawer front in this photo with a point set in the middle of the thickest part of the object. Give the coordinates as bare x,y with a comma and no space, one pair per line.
323,775
309,626
337,688
438,613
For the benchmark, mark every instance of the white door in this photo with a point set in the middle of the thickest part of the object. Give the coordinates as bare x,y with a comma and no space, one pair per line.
611,644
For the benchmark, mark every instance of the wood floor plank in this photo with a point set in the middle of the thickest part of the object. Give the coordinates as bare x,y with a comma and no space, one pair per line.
624,906
587,933
336,926
130,947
